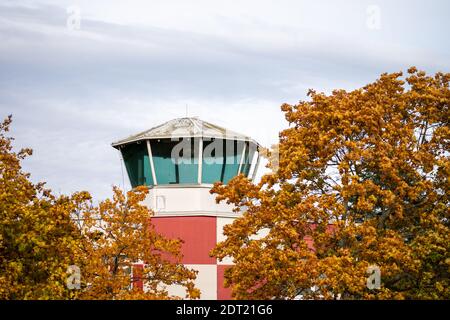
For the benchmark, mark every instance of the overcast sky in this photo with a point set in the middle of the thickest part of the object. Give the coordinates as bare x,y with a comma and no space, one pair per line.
132,65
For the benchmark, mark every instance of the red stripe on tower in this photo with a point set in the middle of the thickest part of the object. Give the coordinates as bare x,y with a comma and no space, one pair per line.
222,292
198,235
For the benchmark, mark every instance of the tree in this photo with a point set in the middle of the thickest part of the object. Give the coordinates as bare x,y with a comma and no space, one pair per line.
38,240
124,254
362,183
43,238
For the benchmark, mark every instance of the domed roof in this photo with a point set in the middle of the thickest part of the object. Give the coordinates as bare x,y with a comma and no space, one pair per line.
185,127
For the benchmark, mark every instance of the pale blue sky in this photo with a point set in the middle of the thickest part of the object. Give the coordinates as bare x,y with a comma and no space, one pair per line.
135,64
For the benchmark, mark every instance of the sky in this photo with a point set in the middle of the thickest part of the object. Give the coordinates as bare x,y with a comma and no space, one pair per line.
79,75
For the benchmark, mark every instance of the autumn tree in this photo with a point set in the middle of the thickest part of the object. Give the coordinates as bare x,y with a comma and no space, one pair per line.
48,243
362,183
38,240
124,253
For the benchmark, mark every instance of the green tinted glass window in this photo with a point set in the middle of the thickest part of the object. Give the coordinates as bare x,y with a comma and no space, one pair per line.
213,160
176,162
220,159
233,157
137,164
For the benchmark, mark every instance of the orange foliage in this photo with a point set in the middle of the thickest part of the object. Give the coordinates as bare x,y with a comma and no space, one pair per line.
374,162
42,235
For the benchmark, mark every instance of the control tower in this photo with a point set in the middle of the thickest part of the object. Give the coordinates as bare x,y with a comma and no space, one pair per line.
179,161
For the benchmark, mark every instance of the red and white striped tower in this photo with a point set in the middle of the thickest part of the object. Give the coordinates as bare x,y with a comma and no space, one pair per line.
179,161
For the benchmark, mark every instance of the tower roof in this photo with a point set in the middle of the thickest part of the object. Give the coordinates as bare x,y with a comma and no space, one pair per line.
185,127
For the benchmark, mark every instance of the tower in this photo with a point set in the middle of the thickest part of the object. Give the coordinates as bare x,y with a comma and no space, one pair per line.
179,161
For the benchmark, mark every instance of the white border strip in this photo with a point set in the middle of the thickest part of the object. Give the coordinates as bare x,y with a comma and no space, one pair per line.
152,166
242,158
200,161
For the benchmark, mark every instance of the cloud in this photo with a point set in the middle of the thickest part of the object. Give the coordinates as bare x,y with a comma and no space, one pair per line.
134,65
